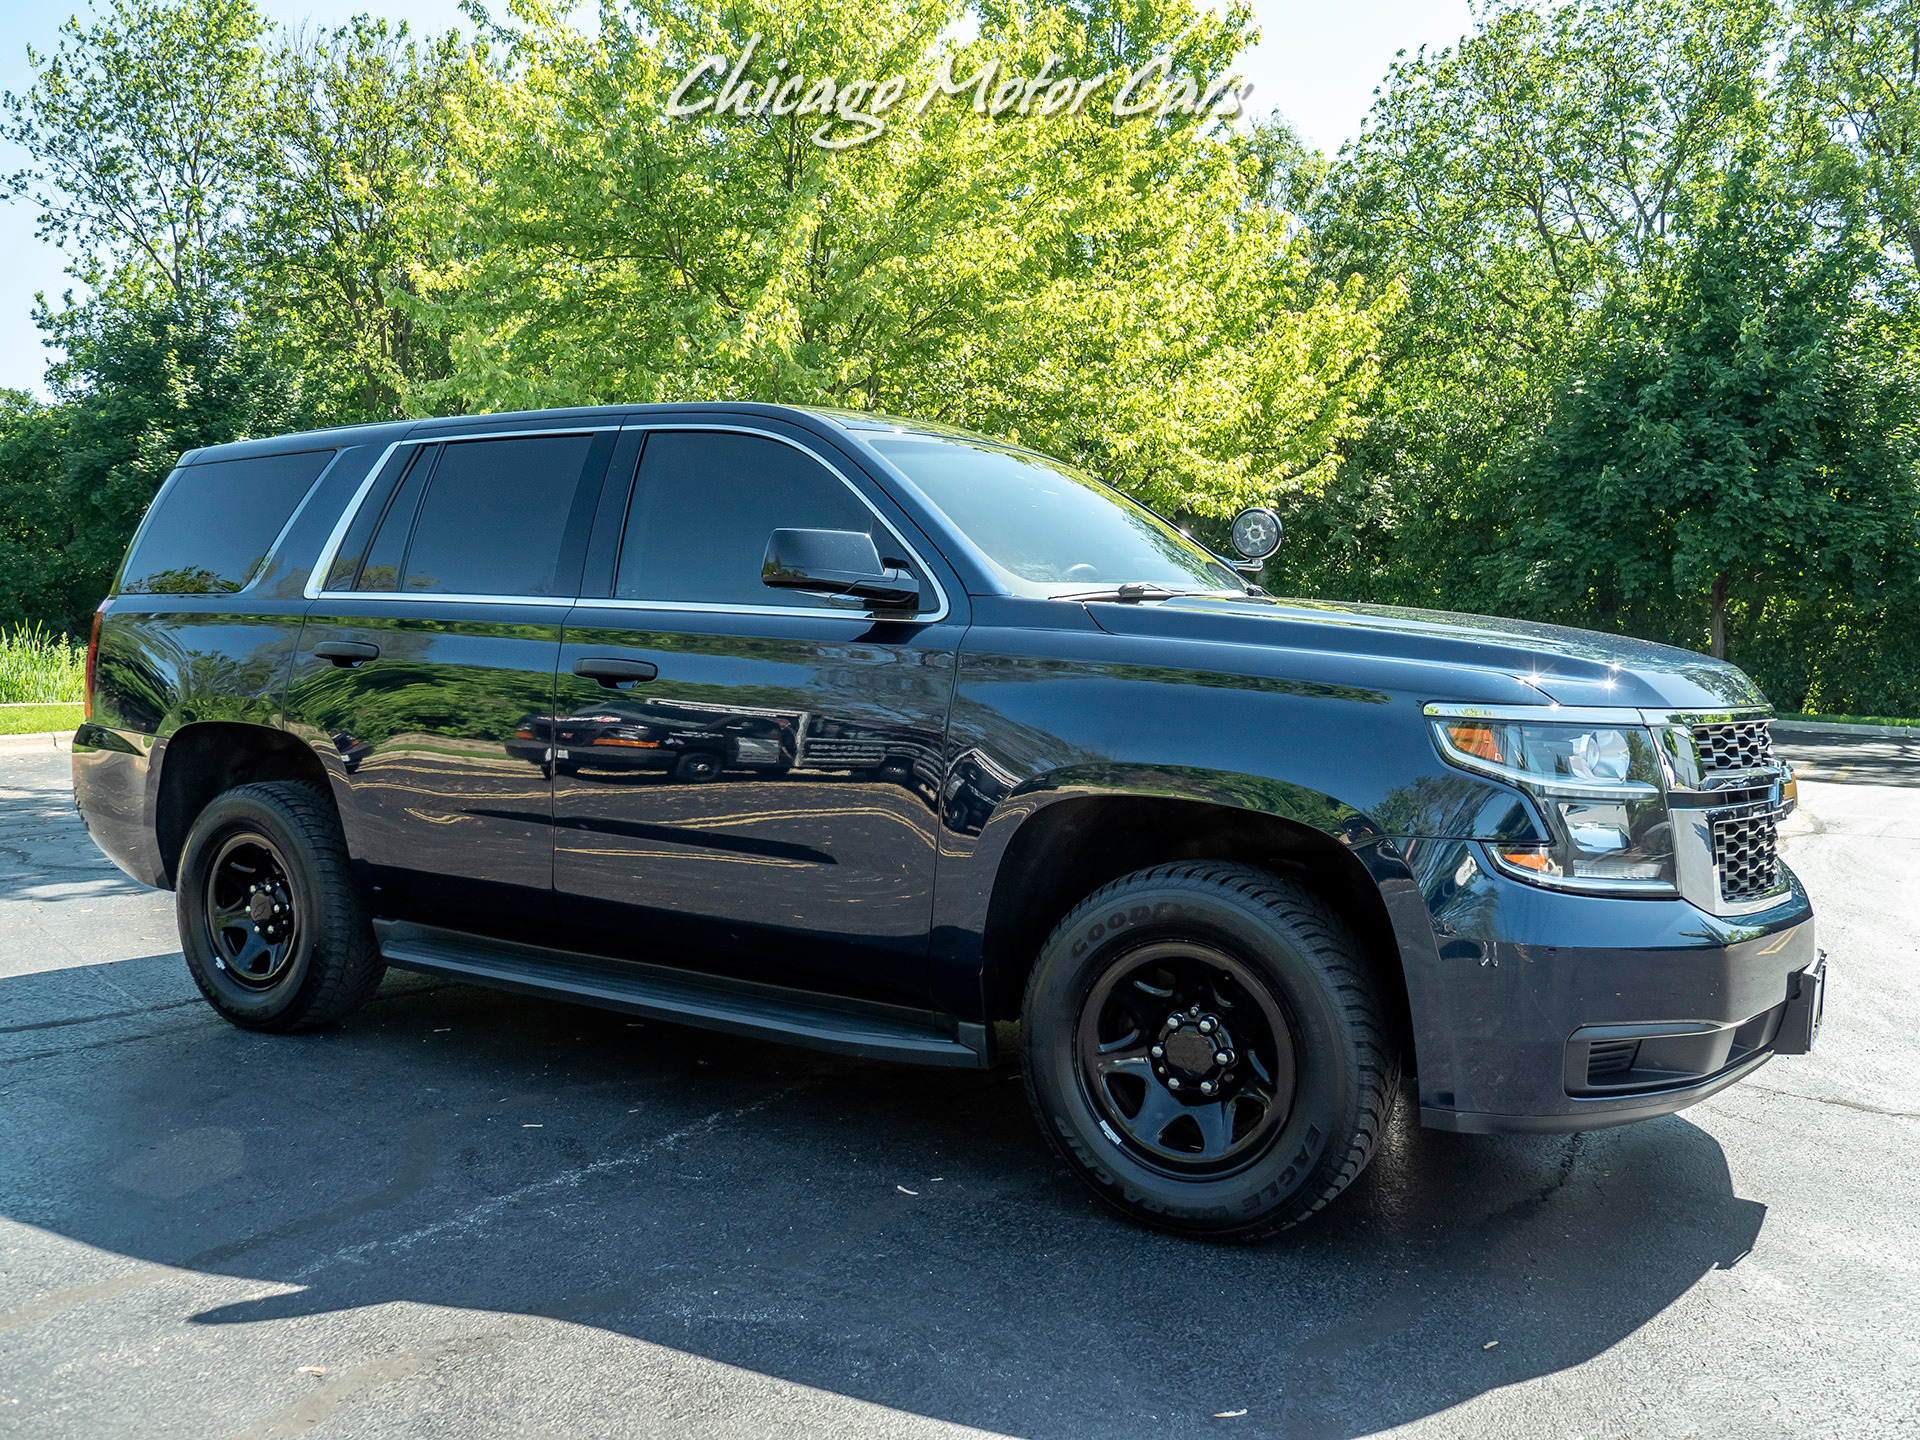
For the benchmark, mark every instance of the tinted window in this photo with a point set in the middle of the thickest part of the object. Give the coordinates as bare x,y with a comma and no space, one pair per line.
1048,529
494,519
707,503
389,549
212,528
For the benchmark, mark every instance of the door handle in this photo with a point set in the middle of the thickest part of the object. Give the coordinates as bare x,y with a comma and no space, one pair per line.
611,672
346,652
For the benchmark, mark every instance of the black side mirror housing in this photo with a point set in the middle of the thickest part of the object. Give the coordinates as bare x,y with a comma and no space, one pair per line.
837,562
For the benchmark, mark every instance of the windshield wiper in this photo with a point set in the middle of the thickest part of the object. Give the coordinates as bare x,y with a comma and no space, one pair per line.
1130,593
1134,591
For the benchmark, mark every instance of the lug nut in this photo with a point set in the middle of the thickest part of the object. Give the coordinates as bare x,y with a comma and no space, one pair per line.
1158,1051
1206,1087
1222,1058
1173,1020
1206,1027
1172,1083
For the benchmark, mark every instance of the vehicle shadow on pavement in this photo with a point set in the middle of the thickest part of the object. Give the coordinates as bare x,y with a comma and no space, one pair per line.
902,1236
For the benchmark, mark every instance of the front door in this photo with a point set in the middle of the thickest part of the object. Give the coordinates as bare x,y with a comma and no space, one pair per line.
426,669
757,794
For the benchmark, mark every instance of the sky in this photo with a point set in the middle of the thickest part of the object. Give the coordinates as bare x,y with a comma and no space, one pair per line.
1316,63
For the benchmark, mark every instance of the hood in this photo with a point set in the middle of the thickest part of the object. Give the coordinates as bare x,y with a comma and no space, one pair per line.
1567,666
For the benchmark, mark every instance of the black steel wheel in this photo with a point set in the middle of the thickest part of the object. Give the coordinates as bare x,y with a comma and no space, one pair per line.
1208,1048
1185,1052
252,911
275,931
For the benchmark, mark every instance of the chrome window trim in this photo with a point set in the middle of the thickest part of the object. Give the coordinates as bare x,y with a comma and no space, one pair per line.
260,570
329,550
314,589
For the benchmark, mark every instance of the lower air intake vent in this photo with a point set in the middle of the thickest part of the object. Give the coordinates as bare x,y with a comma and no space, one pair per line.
1743,853
1608,1061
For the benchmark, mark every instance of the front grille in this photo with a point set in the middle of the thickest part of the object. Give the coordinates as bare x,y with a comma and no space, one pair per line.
1609,1061
1733,745
1743,853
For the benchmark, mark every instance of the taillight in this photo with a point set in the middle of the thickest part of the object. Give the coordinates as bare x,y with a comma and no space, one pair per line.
93,655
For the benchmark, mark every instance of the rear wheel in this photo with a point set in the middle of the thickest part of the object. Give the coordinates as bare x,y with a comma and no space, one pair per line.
1206,1047
274,929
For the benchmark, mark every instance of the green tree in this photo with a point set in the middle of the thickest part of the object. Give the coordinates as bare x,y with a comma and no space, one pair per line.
1115,291
136,390
1855,68
143,140
1737,442
357,126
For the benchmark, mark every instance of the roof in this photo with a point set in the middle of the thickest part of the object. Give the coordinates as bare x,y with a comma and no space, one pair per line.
385,432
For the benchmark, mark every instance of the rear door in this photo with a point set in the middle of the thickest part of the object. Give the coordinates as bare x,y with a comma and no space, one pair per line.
765,803
425,671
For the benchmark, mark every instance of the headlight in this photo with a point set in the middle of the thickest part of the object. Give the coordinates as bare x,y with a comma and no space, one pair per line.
1600,787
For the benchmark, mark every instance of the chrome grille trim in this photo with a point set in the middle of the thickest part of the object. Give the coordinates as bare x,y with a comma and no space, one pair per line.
1745,861
1734,745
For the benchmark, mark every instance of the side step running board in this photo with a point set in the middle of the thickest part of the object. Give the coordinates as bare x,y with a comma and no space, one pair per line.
715,1002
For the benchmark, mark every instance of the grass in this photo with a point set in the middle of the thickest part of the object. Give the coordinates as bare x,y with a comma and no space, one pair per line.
38,667
1856,720
33,719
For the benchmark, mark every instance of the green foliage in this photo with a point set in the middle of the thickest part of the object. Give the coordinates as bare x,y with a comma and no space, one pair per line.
39,667
39,719
1607,316
1119,293
137,389
1739,435
354,141
1654,371
140,133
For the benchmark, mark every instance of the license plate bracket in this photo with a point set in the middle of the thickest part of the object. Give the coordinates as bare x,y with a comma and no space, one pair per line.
1806,1007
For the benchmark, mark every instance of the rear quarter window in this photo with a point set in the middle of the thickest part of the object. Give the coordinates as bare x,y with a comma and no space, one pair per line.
212,525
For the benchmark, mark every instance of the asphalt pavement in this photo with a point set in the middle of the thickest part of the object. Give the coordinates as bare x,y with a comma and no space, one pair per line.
469,1214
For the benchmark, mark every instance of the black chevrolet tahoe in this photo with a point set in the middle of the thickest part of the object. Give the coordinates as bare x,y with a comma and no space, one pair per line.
1022,752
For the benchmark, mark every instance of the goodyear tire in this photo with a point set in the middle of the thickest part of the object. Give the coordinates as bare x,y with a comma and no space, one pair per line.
1205,1045
275,931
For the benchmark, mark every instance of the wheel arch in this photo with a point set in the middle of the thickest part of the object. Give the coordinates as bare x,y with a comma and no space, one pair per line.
1066,848
206,759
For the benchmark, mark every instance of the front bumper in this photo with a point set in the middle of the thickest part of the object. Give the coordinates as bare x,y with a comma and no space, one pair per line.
1653,1006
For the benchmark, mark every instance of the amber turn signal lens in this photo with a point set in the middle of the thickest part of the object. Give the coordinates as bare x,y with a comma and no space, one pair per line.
1471,737
1537,861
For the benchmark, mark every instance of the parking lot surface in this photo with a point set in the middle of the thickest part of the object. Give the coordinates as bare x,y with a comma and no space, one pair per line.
469,1214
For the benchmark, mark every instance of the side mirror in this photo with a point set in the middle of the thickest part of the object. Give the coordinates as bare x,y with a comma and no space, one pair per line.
1256,535
837,562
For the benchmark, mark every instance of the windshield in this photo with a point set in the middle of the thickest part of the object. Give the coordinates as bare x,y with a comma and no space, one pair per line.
1047,529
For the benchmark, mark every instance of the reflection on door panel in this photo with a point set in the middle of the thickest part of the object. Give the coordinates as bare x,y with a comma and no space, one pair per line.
765,800
782,822
417,702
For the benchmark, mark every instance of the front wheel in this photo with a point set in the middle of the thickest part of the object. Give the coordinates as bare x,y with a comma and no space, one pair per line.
1207,1048
696,767
274,929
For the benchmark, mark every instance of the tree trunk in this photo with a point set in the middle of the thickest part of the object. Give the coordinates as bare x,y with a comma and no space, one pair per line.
1720,616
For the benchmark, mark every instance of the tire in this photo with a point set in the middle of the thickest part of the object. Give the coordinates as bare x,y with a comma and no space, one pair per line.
1256,969
308,963
696,767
